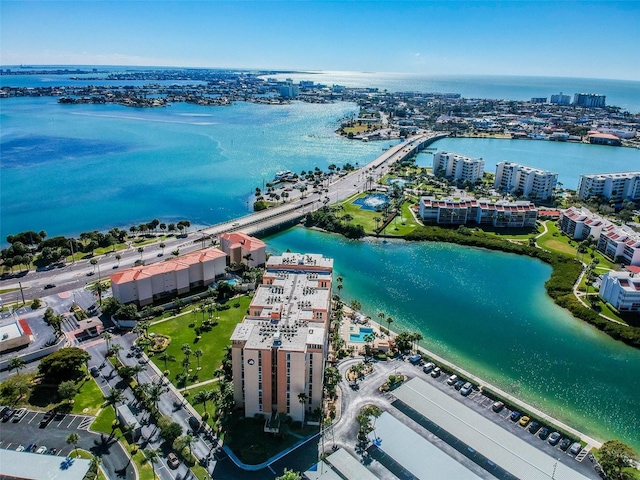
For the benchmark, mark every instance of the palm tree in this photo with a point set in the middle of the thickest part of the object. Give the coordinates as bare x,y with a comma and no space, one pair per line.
95,463
114,397
302,398
118,257
377,220
198,353
248,258
98,288
17,364
94,262
389,322
153,456
114,349
162,246
154,392
166,357
202,397
107,338
140,250
73,439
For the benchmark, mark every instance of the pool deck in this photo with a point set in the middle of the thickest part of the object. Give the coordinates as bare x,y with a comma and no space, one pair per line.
351,325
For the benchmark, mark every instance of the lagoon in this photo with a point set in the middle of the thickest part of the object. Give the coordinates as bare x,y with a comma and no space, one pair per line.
488,312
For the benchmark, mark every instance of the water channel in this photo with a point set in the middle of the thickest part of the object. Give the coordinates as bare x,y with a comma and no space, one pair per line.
488,312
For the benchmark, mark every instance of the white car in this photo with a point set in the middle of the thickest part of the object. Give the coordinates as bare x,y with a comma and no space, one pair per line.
452,379
18,415
41,449
20,448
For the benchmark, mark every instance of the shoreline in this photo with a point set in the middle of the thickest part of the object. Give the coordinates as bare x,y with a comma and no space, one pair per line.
483,384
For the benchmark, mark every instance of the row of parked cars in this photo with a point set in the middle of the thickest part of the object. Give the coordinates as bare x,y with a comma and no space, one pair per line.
13,414
544,433
465,388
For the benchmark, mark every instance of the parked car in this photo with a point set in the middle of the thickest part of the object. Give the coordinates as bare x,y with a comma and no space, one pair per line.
52,451
564,444
459,384
515,416
47,418
524,421
428,367
466,389
20,413
534,427
554,438
172,460
575,448
436,372
20,448
95,371
543,433
452,379
415,358
8,413
41,450
497,406
49,285
194,423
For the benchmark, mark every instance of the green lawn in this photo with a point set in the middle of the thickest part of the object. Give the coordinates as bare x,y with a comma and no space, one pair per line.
88,455
89,397
554,241
403,223
212,342
200,407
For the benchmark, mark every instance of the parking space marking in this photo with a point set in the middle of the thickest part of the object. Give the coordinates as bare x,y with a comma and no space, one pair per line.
32,418
73,418
84,423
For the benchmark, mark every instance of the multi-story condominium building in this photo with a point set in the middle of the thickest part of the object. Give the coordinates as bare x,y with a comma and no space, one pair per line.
613,186
622,290
531,182
145,284
620,244
450,211
241,248
458,167
590,100
560,99
581,223
279,349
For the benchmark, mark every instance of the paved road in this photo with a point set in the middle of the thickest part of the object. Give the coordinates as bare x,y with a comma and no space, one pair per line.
352,400
81,272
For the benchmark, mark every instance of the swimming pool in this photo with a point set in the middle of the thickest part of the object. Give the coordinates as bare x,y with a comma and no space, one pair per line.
359,337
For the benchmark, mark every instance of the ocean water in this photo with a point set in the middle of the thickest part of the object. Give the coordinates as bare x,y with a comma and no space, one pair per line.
489,313
621,93
568,160
67,169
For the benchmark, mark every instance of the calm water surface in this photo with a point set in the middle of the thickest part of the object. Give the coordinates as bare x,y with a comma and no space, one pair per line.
488,312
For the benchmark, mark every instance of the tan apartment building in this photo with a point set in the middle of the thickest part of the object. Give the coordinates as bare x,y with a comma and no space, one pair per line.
279,349
147,283
241,248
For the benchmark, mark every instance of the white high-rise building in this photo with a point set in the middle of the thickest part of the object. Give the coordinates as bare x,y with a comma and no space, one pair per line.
613,186
458,167
528,181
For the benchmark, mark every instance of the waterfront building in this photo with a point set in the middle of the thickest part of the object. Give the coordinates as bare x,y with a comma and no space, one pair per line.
458,167
288,89
560,99
612,186
622,290
580,223
539,100
461,211
599,138
589,100
620,244
242,248
279,350
147,283
528,181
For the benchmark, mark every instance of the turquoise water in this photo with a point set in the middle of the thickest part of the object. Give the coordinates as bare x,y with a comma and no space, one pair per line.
568,160
73,168
488,312
359,337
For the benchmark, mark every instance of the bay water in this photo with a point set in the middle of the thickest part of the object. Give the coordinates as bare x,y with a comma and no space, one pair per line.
489,313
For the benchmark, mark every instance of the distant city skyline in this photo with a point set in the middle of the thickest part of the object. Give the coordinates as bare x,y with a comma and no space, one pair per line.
565,39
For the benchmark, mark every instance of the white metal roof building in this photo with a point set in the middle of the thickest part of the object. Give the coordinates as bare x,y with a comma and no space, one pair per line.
31,466
489,439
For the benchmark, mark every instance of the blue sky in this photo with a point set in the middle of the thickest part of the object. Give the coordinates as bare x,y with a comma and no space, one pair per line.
561,38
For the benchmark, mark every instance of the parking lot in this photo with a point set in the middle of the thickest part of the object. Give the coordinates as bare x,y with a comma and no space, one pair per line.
27,432
482,403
